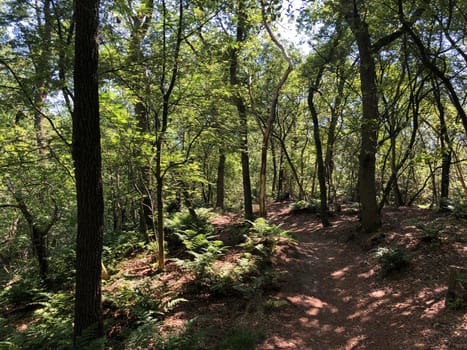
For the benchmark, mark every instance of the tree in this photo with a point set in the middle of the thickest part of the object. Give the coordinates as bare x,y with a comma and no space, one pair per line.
88,320
220,182
370,118
318,63
241,35
271,113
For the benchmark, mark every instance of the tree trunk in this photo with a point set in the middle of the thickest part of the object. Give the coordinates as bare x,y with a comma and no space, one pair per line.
446,150
140,19
319,154
117,205
456,295
39,233
398,200
166,86
432,67
220,182
160,222
272,115
241,108
370,217
43,74
144,183
458,168
331,138
88,320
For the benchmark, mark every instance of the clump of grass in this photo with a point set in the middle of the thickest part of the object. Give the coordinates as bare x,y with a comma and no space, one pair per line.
242,337
274,304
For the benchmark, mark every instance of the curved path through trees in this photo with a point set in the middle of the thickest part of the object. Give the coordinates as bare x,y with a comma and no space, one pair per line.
332,297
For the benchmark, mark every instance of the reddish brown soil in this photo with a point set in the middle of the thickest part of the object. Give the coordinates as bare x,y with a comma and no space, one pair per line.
330,295
337,301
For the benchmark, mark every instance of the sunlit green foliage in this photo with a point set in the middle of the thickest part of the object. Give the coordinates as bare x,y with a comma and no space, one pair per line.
137,59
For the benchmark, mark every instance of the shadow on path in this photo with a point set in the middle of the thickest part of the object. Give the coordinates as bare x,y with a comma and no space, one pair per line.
335,300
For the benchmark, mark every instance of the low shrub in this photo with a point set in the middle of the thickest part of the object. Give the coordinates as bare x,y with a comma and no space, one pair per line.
391,259
142,301
243,337
147,336
263,237
51,325
191,233
24,291
459,205
311,206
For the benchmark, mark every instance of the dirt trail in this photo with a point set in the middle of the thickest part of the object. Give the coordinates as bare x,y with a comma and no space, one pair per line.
334,299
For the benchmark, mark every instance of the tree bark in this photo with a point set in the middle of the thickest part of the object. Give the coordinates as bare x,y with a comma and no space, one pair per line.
39,233
446,149
284,152
336,111
220,190
139,24
370,217
167,84
319,157
88,320
241,109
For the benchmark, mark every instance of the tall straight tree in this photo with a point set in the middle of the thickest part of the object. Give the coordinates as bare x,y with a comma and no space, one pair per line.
369,126
241,35
88,322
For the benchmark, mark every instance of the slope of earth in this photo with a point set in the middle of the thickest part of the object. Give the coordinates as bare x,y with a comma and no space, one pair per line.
335,298
329,294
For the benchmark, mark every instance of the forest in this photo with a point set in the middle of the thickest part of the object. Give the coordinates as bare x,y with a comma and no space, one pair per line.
244,174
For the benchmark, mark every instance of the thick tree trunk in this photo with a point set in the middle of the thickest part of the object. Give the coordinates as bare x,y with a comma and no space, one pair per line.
88,320
220,190
241,109
456,294
144,183
370,217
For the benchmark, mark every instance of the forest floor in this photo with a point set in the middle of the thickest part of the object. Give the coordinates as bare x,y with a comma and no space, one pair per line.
330,295
327,292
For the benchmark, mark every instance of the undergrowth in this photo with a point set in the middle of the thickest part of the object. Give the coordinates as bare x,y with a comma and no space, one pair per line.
135,307
311,206
251,272
51,328
391,259
192,233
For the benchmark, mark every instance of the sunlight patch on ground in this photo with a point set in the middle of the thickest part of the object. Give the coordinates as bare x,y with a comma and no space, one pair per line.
312,305
367,274
340,273
277,342
353,342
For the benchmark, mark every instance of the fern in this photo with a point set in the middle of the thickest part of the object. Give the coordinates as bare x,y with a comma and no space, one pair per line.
391,259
